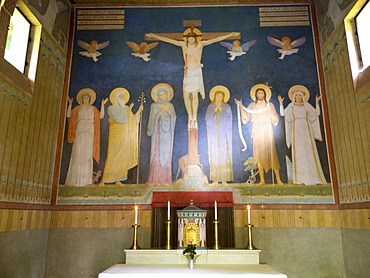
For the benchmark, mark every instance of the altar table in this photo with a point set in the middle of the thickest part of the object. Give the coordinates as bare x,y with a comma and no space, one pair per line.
200,270
203,256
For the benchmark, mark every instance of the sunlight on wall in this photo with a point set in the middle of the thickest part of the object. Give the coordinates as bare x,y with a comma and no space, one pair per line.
357,23
362,24
17,40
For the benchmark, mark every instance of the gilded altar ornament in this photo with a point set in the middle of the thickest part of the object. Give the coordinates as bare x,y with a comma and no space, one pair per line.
250,245
217,245
191,226
192,233
135,244
168,241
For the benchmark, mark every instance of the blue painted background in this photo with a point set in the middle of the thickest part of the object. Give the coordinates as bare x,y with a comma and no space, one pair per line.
118,68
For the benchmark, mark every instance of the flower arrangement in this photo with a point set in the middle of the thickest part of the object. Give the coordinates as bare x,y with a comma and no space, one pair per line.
190,249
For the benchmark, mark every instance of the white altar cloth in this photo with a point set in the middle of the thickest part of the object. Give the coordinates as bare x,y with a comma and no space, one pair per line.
200,270
204,256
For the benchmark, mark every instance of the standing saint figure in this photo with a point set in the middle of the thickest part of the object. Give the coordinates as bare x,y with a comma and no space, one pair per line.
262,114
122,137
302,127
192,48
161,129
219,120
84,133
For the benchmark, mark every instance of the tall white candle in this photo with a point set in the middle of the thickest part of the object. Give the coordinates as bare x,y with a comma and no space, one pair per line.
136,212
216,210
168,211
249,213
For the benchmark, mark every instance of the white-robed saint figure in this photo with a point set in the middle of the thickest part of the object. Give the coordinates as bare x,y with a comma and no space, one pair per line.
302,128
122,137
192,48
84,133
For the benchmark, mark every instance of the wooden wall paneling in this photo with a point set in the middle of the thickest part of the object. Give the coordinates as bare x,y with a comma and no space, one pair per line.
15,146
3,220
339,121
284,218
348,128
314,215
31,220
8,145
342,122
4,88
31,131
14,220
41,91
291,218
41,78
54,109
40,127
19,166
45,117
4,116
75,219
333,114
358,143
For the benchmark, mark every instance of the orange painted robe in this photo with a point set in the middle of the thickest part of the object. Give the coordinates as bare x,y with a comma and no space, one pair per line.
84,133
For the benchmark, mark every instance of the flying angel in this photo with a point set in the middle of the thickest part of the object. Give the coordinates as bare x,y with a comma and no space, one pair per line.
286,45
92,48
141,51
237,49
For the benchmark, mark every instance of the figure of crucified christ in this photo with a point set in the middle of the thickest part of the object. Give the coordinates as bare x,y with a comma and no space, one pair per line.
192,47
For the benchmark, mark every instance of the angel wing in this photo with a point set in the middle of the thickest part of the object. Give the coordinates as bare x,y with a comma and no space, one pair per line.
298,42
103,45
275,41
150,46
228,45
247,45
134,46
83,44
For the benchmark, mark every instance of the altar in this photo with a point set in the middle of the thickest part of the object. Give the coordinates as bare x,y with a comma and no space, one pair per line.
203,256
208,263
201,270
216,262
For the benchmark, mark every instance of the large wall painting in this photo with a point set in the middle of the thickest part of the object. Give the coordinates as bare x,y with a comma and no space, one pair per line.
214,98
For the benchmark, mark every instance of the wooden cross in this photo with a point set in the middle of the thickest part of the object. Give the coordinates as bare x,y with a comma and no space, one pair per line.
192,23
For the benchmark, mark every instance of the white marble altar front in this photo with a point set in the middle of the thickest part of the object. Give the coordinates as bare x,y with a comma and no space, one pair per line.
201,270
204,256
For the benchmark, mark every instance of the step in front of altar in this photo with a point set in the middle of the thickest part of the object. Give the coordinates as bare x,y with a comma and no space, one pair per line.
203,256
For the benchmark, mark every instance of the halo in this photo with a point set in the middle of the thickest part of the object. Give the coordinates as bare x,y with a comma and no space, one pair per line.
86,91
195,30
222,89
112,95
161,86
300,88
260,86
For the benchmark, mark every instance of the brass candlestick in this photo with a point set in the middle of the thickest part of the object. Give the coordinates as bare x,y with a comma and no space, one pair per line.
216,246
250,245
135,245
168,243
